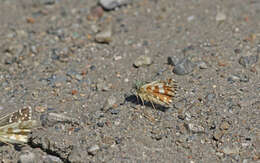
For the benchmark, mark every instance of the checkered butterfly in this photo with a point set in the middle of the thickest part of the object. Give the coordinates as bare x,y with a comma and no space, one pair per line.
159,92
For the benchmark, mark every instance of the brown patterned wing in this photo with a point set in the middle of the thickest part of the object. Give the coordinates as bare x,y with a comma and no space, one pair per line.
168,87
20,115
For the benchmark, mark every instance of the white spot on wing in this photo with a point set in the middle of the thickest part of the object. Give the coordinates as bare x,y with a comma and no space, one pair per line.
161,90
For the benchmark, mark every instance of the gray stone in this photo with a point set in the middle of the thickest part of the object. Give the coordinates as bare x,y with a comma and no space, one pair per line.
112,4
142,61
27,157
77,155
51,159
230,149
93,149
173,60
195,128
184,67
202,65
105,36
221,16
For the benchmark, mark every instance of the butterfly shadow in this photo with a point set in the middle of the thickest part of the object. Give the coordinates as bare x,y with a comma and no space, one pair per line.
136,100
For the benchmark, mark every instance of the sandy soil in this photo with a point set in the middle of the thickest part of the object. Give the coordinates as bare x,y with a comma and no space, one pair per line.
81,88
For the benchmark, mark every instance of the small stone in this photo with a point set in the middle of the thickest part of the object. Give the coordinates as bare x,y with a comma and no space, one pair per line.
195,128
78,77
40,109
190,18
112,4
118,140
33,49
51,159
102,86
105,36
244,78
237,51
184,67
114,111
230,149
224,125
93,149
157,134
100,124
142,61
233,78
202,65
218,134
27,157
107,140
95,28
77,155
248,61
173,60
221,16
210,97
181,114
47,2
258,50
111,101
96,12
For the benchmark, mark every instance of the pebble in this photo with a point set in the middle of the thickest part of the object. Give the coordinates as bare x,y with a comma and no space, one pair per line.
107,140
46,2
95,13
100,124
102,86
244,78
202,65
218,134
118,140
173,60
237,51
93,149
114,111
157,134
52,118
105,36
258,50
230,149
195,128
248,61
112,4
184,67
1,108
27,157
51,159
224,125
221,16
40,109
110,102
190,18
142,61
233,78
77,155
33,49
210,97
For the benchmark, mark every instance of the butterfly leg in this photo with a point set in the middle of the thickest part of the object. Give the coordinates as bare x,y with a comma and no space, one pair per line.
151,101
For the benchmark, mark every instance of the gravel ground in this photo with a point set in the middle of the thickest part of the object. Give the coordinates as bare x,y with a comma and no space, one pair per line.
75,63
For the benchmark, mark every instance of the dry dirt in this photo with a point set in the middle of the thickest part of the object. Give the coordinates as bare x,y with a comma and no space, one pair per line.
81,91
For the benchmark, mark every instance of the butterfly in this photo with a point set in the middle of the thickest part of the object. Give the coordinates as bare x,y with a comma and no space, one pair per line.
16,126
159,92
